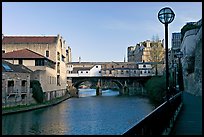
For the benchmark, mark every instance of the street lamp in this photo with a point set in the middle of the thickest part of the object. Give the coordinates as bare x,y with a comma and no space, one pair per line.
166,16
175,74
179,55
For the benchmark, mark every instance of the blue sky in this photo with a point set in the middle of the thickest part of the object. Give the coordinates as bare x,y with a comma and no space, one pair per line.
96,31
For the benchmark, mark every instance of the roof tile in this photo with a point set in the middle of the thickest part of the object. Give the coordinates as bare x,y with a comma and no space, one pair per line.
23,54
29,39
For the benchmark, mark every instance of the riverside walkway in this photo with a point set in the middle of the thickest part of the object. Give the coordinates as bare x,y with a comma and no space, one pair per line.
189,120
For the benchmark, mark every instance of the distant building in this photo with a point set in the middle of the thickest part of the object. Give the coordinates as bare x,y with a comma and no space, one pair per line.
141,51
176,41
145,69
109,69
175,47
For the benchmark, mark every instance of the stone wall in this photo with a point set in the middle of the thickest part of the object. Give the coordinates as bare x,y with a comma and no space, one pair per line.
192,69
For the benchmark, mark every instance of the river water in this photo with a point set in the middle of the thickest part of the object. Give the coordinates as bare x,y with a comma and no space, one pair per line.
108,114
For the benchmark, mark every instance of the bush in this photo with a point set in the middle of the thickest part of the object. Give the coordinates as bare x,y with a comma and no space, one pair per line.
156,89
37,91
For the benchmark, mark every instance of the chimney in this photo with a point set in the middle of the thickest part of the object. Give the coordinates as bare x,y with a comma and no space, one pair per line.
79,59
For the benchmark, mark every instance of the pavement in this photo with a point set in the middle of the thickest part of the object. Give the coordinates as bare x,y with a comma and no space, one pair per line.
189,120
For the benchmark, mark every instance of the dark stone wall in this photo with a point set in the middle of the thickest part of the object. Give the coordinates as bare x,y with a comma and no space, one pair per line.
193,78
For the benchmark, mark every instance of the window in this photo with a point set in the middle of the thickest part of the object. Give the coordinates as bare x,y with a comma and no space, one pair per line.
81,71
63,58
148,71
39,62
20,61
47,80
99,72
10,86
61,42
6,67
96,66
58,80
58,56
47,53
144,66
145,71
23,83
3,51
122,72
58,67
141,72
86,71
110,72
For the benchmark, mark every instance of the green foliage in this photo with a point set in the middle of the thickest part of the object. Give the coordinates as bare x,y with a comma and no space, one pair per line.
37,91
156,89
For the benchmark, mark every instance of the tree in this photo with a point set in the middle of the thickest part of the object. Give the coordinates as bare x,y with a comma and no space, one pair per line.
156,52
156,89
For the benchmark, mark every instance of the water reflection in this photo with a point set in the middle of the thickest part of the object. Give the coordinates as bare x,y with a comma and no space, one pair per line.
108,114
92,92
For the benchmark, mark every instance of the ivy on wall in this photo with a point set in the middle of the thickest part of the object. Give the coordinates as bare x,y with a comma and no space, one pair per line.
37,91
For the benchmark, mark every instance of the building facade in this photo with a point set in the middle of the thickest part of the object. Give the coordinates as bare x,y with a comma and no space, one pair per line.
50,65
175,46
109,69
141,52
15,85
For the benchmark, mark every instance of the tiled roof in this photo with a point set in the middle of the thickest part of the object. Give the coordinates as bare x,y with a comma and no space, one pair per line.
29,39
22,54
15,68
100,63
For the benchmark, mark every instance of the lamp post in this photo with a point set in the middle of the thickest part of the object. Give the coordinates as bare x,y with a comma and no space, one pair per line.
179,55
166,16
175,76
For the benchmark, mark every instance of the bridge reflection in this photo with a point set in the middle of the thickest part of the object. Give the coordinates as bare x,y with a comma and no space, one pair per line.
92,92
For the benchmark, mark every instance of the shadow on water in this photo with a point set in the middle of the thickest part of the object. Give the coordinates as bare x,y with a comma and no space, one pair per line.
34,129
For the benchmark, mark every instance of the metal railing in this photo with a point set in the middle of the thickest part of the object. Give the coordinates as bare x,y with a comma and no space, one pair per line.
159,120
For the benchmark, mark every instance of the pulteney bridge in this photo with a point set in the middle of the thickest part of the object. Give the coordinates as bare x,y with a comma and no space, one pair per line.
128,76
123,83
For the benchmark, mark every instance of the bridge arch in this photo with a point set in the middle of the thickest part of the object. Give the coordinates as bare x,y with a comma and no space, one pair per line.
78,82
119,83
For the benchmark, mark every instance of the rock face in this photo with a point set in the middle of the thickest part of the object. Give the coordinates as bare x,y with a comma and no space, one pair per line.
192,61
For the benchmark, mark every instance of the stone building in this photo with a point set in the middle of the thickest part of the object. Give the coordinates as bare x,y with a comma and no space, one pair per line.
109,69
175,45
45,55
15,85
141,52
